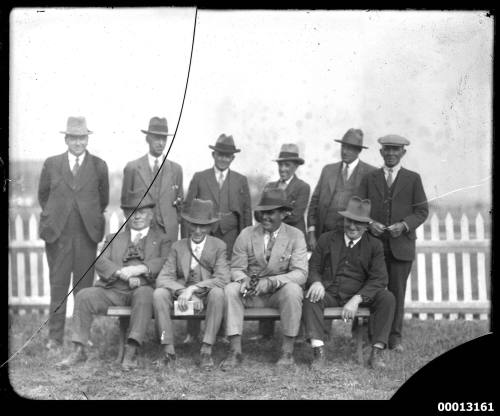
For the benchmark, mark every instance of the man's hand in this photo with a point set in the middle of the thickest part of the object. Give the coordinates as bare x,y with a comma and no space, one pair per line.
311,240
132,271
316,292
376,228
183,298
134,282
351,308
264,285
198,303
396,229
245,284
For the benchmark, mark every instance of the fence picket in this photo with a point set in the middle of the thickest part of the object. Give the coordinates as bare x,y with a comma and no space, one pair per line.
436,265
452,268
481,264
113,223
19,228
408,298
421,273
464,231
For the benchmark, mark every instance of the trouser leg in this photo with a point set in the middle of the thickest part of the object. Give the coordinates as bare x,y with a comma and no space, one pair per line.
381,316
313,317
84,255
288,299
162,303
233,309
142,312
214,314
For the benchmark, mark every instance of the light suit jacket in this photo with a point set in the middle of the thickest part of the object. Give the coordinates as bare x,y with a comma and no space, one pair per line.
288,261
175,273
137,176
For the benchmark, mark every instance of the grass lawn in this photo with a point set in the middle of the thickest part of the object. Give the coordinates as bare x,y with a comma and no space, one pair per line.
33,374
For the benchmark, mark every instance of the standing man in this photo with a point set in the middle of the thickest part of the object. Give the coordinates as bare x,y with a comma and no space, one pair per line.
347,269
268,268
337,183
127,271
166,191
196,270
399,206
227,189
73,193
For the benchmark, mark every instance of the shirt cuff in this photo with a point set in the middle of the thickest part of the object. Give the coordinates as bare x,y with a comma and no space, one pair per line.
311,228
406,225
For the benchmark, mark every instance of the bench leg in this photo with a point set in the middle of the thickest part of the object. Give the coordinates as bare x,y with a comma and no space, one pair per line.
123,325
357,329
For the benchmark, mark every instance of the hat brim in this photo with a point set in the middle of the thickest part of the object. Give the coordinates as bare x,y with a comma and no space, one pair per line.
355,217
271,207
141,206
158,133
355,145
76,134
218,149
299,160
198,221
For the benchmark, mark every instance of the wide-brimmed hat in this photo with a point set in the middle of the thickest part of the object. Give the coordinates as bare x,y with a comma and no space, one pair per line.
225,144
76,126
200,212
354,137
133,198
289,151
157,126
273,198
358,209
393,140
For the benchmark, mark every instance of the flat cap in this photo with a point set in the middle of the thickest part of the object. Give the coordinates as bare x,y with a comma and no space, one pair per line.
393,140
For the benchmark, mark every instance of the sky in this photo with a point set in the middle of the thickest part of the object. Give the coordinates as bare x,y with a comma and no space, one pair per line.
266,78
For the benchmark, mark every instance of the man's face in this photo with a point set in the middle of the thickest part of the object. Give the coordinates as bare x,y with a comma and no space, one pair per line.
287,169
156,143
76,144
140,219
392,154
354,229
349,153
271,220
199,231
222,160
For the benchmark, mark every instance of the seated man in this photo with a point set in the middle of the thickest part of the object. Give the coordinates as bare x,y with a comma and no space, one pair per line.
347,269
196,269
127,271
268,269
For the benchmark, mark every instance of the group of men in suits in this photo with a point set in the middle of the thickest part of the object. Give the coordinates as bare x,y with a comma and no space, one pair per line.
360,228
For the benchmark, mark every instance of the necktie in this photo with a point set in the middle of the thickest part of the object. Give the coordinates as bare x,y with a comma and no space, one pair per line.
350,244
270,245
197,253
137,239
281,184
345,172
156,168
220,180
389,178
76,166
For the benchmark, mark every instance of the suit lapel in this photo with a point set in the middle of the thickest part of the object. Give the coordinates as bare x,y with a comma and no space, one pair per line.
278,248
332,180
185,259
144,170
291,186
258,245
122,241
401,182
213,184
335,247
149,245
65,171
85,172
380,181
164,179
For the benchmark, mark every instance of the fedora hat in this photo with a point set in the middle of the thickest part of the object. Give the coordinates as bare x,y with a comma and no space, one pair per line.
358,209
157,126
273,198
393,140
200,212
289,151
225,144
76,126
354,137
133,198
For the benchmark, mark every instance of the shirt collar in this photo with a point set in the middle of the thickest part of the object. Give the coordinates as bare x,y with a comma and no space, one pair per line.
152,158
287,182
201,244
275,233
133,233
72,158
352,165
354,242
218,171
395,169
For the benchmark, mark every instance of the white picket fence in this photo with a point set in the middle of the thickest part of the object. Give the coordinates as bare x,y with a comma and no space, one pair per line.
448,278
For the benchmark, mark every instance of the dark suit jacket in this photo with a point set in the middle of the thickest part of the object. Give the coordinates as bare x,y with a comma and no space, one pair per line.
58,190
323,193
137,176
324,262
204,186
156,249
297,193
409,204
175,272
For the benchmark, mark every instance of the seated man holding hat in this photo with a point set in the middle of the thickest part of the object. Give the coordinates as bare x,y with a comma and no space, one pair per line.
196,270
268,269
127,270
347,269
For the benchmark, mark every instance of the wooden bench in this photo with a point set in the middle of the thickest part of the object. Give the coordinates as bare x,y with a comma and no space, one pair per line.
251,314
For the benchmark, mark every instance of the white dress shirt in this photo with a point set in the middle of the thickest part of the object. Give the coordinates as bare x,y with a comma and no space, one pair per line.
395,170
151,160
287,182
218,173
351,167
133,233
267,237
72,160
354,242
197,250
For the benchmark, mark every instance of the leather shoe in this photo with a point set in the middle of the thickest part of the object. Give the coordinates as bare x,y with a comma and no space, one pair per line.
397,348
129,362
190,339
233,360
206,362
375,360
286,359
319,357
77,356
